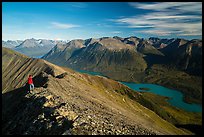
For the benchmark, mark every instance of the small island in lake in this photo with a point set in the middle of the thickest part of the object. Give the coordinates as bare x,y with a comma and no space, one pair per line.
144,89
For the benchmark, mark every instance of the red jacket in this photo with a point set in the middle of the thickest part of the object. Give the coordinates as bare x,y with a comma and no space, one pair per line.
30,80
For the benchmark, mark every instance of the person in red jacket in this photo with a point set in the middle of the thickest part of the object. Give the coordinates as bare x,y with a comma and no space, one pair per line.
30,82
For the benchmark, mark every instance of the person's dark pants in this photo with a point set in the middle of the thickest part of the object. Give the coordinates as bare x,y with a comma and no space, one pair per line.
31,86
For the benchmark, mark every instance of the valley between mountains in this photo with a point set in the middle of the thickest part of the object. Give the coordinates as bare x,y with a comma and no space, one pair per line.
173,63
66,102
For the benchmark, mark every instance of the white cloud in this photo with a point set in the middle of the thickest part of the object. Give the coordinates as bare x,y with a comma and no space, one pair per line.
157,32
169,6
140,26
189,34
116,32
166,18
63,26
170,15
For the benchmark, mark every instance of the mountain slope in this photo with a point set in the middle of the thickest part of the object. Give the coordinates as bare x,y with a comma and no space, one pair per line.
132,59
67,102
16,67
131,56
189,57
62,52
109,56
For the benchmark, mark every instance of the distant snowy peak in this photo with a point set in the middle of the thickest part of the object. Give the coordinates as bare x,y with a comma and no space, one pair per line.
28,43
11,43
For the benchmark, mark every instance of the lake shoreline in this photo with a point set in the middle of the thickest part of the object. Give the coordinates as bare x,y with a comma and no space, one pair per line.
187,104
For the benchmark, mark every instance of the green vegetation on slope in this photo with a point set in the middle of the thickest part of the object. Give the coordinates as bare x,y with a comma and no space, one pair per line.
171,113
190,85
159,105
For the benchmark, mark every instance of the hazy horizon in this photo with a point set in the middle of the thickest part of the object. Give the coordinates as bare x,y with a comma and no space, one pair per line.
95,38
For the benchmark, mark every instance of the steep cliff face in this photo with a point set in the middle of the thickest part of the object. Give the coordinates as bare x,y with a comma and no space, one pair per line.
67,102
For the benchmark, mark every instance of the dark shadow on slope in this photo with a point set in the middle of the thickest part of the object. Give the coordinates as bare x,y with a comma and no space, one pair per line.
24,113
61,75
197,129
41,80
155,59
77,52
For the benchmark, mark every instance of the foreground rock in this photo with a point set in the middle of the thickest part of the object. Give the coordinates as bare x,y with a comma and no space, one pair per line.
55,116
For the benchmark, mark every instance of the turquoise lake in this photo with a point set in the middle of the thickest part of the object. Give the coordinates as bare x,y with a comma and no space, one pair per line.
176,97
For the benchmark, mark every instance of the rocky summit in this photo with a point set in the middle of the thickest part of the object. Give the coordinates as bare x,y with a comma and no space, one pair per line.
65,102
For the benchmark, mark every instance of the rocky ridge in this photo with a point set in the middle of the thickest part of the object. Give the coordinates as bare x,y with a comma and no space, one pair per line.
62,117
67,102
46,111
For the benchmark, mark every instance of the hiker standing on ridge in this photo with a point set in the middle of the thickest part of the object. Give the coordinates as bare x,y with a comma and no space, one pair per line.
30,82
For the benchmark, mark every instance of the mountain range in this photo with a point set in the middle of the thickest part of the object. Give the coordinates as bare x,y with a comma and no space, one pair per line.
136,54
66,102
132,59
32,47
11,43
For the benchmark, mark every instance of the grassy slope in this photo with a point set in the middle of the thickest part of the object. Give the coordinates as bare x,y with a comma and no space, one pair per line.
170,113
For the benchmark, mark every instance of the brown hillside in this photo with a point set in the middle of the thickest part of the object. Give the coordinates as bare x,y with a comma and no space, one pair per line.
67,102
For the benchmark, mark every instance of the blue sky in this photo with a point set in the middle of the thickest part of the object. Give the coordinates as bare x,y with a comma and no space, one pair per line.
73,20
